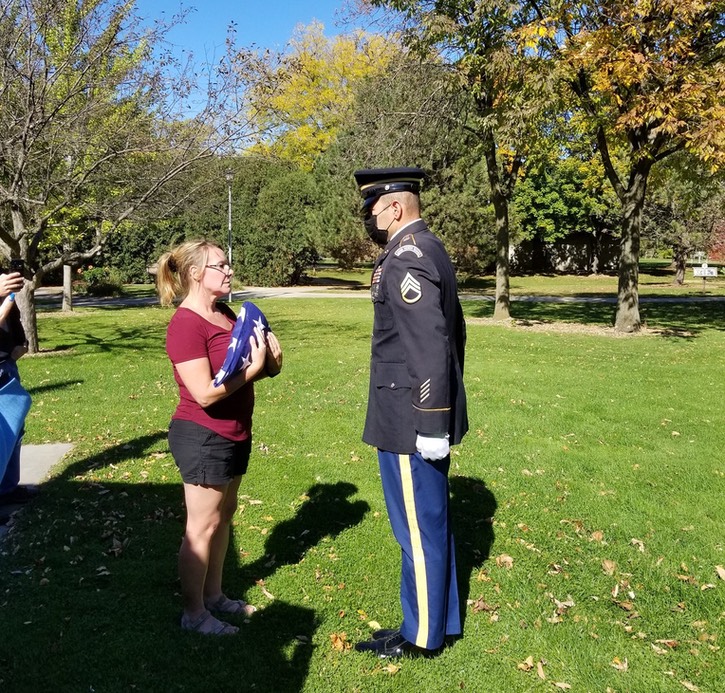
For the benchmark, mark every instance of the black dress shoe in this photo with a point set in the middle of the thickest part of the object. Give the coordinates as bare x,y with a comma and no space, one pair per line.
392,646
384,633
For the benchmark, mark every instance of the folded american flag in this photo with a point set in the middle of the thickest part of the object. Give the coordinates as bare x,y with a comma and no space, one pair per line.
239,351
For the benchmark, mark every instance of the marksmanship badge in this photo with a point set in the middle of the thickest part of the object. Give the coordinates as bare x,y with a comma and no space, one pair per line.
410,289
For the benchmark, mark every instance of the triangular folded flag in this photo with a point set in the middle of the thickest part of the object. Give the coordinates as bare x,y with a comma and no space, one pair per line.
239,351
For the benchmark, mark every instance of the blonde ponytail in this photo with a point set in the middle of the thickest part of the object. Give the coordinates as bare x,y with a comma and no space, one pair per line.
173,269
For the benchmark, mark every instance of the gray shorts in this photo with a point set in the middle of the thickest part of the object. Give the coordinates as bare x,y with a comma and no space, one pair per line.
204,457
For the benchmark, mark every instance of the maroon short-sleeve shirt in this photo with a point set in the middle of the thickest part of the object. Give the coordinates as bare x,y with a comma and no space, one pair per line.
188,337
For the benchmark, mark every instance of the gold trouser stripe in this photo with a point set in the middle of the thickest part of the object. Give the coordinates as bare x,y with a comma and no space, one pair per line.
416,544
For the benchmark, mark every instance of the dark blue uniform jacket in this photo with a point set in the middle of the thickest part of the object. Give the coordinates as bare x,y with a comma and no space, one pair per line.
419,335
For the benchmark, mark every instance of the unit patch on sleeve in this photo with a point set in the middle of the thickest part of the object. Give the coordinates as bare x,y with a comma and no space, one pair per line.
410,289
409,249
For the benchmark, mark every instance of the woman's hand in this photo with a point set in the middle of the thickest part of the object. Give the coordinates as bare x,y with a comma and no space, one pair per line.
198,378
258,355
273,364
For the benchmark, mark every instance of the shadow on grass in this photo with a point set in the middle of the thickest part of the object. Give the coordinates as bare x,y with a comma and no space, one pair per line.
52,387
89,580
107,337
472,509
685,318
336,282
325,513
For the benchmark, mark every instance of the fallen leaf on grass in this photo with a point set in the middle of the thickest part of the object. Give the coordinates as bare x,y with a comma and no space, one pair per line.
720,572
482,576
339,641
689,686
608,566
638,543
670,643
540,670
373,625
528,545
563,686
563,607
708,586
504,561
392,668
598,535
480,604
658,650
527,664
265,591
620,665
685,578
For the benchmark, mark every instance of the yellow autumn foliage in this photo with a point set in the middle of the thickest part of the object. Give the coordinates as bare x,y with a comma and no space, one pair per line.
312,93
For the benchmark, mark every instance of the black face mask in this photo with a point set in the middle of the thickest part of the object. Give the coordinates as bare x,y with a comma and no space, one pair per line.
376,234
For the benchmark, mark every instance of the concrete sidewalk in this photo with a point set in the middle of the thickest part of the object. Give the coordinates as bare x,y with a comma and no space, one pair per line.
36,461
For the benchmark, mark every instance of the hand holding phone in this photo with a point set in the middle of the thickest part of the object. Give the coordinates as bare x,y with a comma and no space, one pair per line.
8,282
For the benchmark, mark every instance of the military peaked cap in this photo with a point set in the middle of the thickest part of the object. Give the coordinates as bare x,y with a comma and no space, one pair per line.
374,182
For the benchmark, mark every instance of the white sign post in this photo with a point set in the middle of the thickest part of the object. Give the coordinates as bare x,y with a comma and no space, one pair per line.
704,271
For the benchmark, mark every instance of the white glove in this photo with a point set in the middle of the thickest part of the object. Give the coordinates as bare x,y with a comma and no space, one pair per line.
432,447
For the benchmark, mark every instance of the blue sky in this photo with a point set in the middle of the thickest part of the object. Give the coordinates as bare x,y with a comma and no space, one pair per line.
265,23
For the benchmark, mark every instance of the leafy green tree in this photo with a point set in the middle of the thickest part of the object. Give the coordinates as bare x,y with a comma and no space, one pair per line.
305,96
458,207
479,41
403,116
134,249
272,222
683,208
563,194
93,128
646,79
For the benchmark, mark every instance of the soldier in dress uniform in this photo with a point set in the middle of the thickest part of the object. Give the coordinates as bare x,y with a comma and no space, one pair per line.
416,404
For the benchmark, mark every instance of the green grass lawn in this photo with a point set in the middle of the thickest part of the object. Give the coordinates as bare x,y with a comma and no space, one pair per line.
655,279
600,460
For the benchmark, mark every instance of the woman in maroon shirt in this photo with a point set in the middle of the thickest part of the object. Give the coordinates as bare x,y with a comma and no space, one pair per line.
210,432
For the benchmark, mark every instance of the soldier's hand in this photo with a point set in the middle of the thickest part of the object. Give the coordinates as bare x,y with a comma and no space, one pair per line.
432,447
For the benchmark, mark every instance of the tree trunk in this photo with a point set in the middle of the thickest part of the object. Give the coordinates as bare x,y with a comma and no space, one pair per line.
627,318
67,288
26,305
596,250
679,257
502,308
502,305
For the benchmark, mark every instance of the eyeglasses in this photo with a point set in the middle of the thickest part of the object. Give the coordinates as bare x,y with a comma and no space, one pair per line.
221,267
